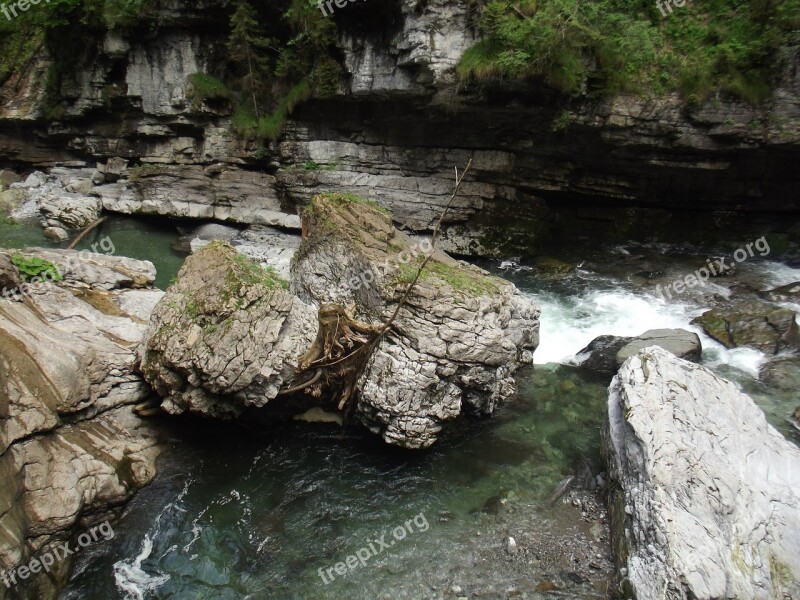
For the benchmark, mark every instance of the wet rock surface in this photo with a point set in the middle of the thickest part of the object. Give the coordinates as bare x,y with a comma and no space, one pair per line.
756,324
605,354
71,449
704,493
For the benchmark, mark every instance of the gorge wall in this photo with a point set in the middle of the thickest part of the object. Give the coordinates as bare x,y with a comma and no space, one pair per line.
544,164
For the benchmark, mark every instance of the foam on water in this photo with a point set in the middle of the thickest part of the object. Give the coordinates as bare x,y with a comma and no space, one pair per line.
131,579
569,324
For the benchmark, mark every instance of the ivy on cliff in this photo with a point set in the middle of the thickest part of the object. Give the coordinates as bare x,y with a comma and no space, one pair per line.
611,46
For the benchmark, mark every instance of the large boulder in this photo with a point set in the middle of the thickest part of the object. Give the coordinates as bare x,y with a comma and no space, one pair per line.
766,327
71,449
704,492
227,336
454,344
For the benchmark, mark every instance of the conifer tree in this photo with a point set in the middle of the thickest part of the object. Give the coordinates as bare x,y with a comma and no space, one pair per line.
247,47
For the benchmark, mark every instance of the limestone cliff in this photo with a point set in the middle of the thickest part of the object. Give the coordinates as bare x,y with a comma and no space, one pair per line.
394,132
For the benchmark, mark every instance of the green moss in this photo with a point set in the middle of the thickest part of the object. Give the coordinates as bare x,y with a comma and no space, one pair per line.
311,165
203,87
457,277
344,199
245,272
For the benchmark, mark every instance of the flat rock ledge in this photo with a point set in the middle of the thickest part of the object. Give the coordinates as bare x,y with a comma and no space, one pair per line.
705,494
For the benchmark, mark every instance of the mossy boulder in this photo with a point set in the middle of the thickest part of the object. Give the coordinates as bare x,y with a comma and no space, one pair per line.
227,335
455,342
756,324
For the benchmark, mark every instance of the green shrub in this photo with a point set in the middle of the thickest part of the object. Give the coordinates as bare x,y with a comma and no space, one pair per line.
611,46
203,87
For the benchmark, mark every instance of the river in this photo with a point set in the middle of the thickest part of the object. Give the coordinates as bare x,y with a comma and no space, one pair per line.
246,513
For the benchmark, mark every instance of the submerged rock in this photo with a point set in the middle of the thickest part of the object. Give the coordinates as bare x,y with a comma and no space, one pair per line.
782,372
605,354
760,325
784,293
704,492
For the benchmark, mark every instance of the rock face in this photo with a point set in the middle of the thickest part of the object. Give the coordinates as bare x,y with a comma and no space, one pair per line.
226,337
71,450
705,493
454,345
605,354
395,130
760,325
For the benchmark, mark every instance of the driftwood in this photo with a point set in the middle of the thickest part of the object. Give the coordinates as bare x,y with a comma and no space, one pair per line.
85,232
343,346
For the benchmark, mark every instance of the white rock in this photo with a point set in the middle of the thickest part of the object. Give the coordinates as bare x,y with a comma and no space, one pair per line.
711,491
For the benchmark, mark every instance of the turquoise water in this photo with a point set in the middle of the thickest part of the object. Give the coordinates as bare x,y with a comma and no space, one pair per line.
242,513
235,515
135,238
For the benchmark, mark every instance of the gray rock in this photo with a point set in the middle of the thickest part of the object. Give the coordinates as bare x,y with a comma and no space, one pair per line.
601,354
233,195
73,210
679,342
9,276
11,200
114,169
784,293
56,233
704,491
71,450
606,353
7,178
782,372
269,246
453,348
215,231
226,337
760,325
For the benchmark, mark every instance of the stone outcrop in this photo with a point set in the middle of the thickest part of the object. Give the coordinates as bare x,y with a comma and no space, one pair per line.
71,450
704,492
454,345
606,354
228,337
396,129
766,327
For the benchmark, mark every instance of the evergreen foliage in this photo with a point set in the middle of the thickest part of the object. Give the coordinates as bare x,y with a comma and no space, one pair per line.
611,46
